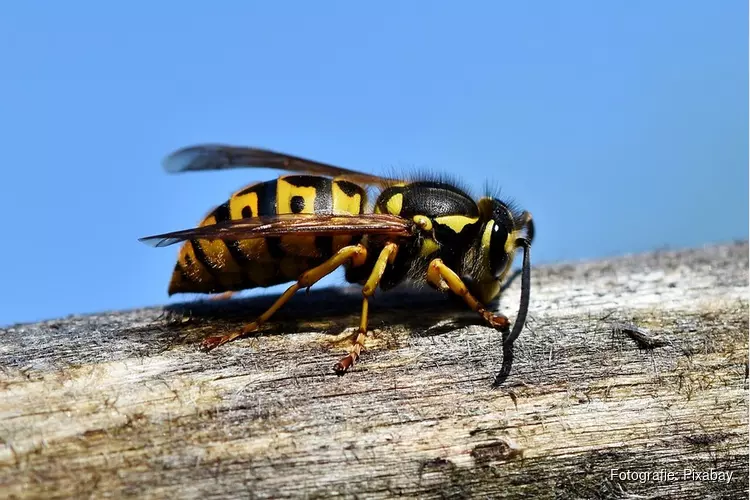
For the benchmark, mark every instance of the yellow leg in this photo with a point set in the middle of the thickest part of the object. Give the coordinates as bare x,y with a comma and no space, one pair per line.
387,256
356,253
222,296
441,276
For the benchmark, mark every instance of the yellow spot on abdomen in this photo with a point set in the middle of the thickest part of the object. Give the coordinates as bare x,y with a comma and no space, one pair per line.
296,245
343,203
247,202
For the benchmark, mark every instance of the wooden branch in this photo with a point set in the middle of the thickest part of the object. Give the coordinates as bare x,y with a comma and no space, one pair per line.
124,404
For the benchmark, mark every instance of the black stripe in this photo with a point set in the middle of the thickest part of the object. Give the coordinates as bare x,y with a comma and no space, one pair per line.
324,196
324,244
250,189
267,206
312,181
349,188
183,275
223,214
274,247
201,257
239,256
266,198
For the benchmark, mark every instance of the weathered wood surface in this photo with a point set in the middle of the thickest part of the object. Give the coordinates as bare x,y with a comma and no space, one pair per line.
124,404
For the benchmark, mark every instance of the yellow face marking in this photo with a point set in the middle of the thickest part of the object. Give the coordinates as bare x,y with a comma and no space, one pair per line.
488,291
456,222
510,244
510,249
486,235
394,204
489,286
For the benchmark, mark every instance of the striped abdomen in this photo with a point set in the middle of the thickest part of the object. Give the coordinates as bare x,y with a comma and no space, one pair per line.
205,266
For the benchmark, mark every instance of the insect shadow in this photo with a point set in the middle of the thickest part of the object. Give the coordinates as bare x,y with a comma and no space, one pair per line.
420,312
329,309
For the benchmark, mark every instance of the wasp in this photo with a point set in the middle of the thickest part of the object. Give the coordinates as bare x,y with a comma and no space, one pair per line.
303,226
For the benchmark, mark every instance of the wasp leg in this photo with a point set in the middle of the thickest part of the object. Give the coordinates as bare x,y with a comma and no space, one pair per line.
387,256
441,275
356,253
222,296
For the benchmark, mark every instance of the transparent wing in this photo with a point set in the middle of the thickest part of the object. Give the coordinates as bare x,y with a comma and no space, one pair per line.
279,225
219,157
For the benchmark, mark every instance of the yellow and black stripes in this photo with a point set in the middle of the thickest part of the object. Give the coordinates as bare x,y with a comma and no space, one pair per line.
205,266
222,214
303,194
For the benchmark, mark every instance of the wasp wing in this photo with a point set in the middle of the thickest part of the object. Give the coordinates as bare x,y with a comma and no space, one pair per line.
299,224
220,156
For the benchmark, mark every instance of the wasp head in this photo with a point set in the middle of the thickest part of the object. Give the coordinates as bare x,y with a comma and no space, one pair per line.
504,231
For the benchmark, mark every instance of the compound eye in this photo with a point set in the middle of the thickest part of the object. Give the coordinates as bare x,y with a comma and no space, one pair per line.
498,255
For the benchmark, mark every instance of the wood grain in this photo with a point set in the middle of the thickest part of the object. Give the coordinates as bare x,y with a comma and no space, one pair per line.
124,404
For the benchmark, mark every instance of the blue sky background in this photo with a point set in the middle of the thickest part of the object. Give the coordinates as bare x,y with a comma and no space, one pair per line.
622,126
